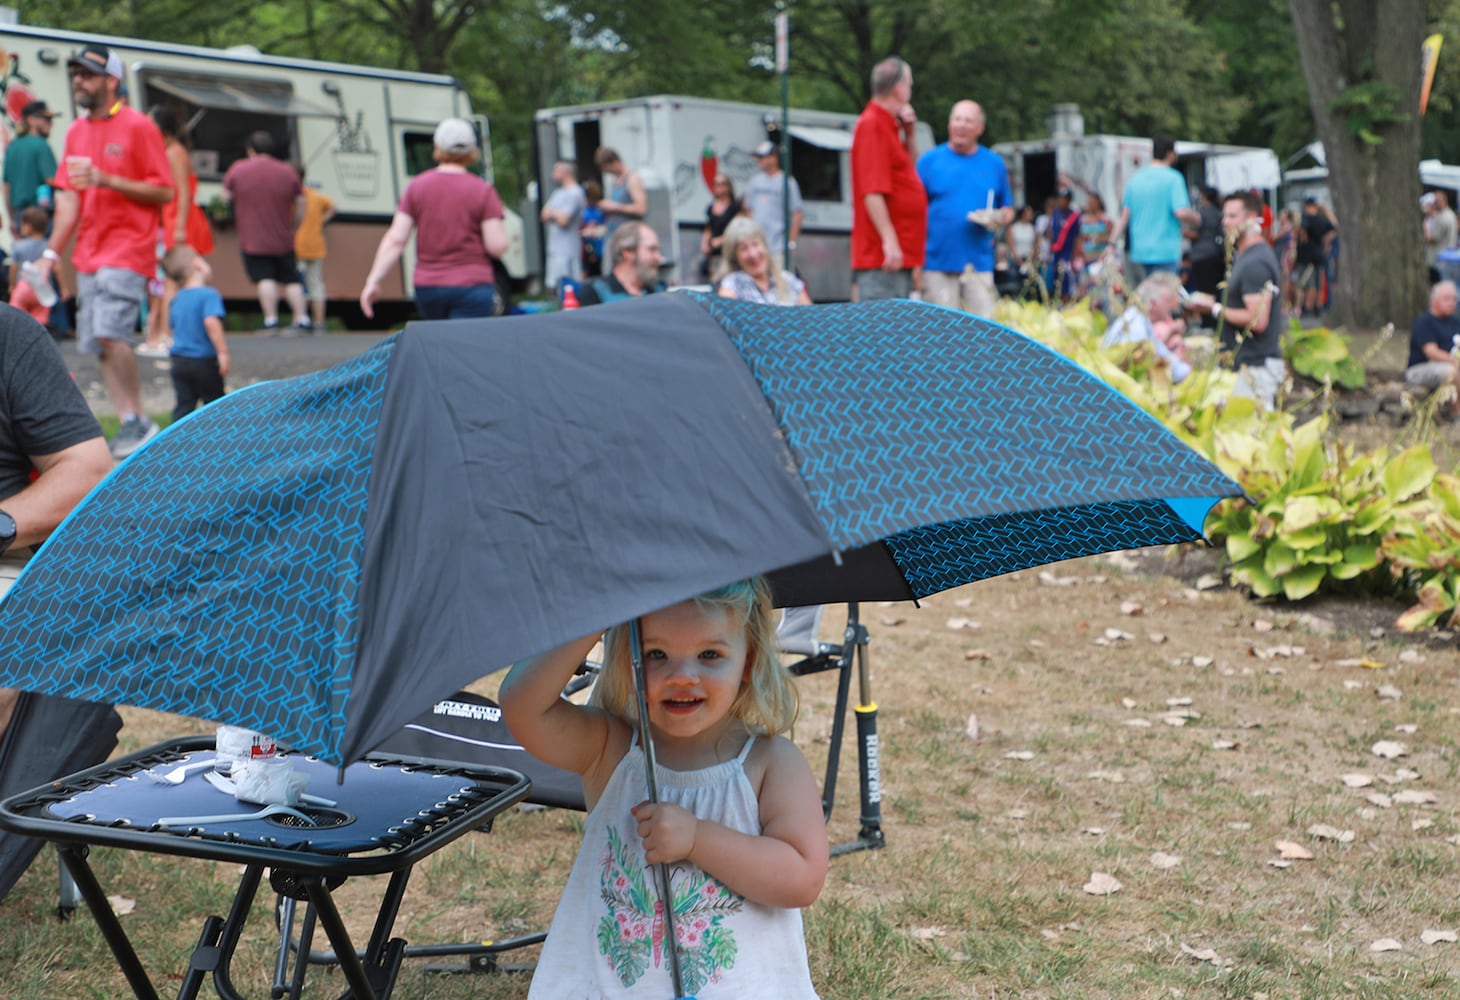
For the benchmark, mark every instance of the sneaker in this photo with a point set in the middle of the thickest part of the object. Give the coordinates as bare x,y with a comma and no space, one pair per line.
151,351
304,326
135,432
270,327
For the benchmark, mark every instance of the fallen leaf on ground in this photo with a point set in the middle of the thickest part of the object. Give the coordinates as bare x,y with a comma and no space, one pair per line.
1177,702
1262,625
1411,656
1439,937
1405,774
1352,685
1279,863
1357,780
1019,755
978,654
122,905
963,623
1128,702
1388,692
1094,831
1017,813
1114,777
1415,797
1224,744
1116,635
1389,749
1380,799
1208,581
1162,860
1138,723
1408,728
963,602
971,727
1156,638
1290,851
928,933
1322,831
1050,580
1239,825
1369,664
1386,944
1202,662
1174,720
1424,823
1101,884
1132,608
891,621
1202,954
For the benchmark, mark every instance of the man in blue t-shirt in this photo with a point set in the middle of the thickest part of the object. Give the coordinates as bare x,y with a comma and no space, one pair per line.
1433,340
1152,211
965,182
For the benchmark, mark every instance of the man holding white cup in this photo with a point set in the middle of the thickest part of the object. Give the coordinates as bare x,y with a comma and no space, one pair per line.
115,180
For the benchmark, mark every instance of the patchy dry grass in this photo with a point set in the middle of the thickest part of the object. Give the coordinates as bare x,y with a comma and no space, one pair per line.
1079,766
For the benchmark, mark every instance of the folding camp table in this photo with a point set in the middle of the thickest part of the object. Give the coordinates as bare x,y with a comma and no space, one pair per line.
389,813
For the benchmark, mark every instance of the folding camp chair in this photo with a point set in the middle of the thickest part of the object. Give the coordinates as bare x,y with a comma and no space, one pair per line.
469,728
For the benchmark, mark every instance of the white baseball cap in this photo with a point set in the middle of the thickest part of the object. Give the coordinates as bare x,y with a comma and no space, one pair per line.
455,135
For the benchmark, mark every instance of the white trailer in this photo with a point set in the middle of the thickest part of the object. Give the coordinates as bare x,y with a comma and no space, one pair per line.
677,143
360,132
1103,163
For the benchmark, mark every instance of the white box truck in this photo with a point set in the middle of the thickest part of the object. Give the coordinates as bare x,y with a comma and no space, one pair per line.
360,132
676,144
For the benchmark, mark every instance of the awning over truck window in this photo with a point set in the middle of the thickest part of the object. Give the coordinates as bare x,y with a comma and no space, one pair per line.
823,138
256,97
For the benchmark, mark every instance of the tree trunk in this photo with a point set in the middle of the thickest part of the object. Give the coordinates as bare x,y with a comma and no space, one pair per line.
1365,56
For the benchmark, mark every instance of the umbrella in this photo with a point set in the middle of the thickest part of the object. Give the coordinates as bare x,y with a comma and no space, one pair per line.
322,558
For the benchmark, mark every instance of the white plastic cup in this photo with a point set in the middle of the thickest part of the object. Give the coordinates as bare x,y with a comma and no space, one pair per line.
40,285
78,171
235,745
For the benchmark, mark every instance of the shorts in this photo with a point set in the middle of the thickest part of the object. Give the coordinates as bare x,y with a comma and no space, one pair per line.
279,267
1310,276
879,284
1430,374
972,291
110,305
560,269
1262,382
313,271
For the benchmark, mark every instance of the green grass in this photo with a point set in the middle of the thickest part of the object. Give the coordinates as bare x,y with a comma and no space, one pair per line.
978,892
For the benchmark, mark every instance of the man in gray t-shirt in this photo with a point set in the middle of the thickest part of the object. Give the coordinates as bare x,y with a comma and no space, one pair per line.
765,199
563,215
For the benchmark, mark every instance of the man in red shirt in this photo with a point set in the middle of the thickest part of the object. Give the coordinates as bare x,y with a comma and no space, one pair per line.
268,196
889,205
109,194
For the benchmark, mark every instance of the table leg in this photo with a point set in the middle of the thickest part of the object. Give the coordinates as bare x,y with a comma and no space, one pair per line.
339,936
73,856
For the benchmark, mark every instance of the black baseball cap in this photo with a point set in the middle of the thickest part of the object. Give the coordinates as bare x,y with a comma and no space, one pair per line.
37,108
97,58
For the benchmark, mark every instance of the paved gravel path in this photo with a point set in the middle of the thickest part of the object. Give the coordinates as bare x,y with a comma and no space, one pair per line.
256,358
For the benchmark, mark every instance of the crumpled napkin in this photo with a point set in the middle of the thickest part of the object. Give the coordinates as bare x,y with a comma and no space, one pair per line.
268,781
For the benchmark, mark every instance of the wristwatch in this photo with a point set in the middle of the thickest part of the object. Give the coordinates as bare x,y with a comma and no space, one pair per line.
7,532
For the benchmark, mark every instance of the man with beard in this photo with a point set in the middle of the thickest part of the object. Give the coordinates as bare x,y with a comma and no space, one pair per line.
634,250
109,195
29,162
1250,319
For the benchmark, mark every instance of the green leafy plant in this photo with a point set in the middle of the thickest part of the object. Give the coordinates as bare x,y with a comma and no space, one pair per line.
1323,355
1321,515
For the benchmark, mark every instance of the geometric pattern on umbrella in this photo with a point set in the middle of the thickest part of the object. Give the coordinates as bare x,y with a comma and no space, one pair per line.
915,455
940,557
166,545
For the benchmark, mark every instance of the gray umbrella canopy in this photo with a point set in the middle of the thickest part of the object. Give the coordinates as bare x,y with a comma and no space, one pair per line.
344,548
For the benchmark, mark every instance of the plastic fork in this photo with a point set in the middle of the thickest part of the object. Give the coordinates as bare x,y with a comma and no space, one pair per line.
263,813
176,775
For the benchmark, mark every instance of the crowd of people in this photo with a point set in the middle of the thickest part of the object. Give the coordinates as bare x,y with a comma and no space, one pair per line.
125,190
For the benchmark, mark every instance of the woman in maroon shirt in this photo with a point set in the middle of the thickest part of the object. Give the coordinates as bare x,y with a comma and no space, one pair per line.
458,221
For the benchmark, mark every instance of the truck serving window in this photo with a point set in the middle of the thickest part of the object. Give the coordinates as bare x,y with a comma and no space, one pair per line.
220,112
419,149
816,161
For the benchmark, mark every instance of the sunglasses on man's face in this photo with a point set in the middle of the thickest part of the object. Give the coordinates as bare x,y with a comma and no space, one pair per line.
81,71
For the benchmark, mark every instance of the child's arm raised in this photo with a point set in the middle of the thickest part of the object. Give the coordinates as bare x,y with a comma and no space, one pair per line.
784,866
550,727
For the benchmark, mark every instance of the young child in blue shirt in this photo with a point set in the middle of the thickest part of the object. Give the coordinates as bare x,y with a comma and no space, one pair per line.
199,351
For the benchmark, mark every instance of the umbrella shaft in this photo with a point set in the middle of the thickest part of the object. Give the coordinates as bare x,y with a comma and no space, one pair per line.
646,740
